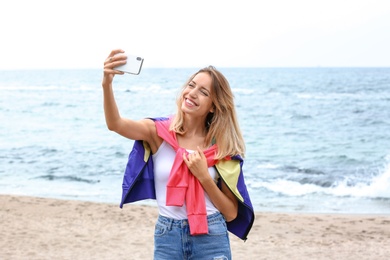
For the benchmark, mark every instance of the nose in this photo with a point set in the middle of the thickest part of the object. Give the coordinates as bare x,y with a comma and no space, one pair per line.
193,92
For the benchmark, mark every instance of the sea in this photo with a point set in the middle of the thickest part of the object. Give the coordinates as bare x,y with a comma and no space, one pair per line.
317,139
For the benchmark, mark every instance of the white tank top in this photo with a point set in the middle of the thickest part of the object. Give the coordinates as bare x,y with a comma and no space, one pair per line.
163,160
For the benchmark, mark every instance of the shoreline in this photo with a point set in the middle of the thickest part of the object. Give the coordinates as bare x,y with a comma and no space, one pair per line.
46,228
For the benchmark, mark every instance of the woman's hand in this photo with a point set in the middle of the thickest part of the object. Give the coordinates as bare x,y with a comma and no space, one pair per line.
197,163
113,60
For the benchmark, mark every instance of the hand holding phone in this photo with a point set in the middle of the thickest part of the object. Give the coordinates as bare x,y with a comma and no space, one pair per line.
133,65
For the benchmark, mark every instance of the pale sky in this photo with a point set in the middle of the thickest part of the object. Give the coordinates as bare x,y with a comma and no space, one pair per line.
44,34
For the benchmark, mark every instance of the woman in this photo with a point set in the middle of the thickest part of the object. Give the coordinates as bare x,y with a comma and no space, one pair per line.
191,163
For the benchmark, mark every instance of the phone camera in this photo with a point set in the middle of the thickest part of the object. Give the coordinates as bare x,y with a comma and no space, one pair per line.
138,58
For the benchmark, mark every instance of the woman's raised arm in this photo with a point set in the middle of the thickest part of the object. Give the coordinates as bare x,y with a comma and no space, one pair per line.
135,130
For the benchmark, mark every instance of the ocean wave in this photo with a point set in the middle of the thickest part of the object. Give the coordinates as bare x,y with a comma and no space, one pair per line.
377,187
243,91
30,87
267,166
343,96
300,116
291,168
149,89
51,177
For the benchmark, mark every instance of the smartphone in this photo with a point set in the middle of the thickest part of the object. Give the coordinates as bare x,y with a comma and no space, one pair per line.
133,65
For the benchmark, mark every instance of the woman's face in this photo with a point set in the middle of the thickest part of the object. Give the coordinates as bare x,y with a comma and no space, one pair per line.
197,96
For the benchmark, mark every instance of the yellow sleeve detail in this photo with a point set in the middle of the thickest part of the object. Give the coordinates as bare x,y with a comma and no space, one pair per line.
230,171
147,150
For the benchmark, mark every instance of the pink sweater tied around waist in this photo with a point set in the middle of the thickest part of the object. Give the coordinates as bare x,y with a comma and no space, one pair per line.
183,185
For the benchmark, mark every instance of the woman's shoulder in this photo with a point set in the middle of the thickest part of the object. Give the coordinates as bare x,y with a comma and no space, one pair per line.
155,141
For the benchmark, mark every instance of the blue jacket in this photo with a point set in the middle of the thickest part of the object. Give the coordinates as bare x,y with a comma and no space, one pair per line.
138,184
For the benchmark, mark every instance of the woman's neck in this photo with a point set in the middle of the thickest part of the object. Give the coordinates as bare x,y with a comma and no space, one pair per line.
195,134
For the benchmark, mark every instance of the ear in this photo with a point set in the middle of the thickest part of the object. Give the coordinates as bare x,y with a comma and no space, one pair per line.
212,109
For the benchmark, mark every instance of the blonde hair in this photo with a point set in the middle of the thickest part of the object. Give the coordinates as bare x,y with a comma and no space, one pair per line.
222,125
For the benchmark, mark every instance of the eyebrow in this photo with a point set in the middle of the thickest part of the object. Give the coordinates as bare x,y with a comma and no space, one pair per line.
192,81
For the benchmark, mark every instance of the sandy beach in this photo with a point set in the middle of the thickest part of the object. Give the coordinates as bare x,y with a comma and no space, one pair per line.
41,228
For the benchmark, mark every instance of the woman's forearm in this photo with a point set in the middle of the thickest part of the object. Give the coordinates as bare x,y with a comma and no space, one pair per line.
111,111
223,199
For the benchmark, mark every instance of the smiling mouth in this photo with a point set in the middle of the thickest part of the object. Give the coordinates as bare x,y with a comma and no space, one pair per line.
190,102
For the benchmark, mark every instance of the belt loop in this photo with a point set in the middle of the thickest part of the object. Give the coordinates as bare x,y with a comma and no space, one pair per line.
170,224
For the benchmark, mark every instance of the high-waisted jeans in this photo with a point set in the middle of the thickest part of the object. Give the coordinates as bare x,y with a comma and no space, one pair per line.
172,240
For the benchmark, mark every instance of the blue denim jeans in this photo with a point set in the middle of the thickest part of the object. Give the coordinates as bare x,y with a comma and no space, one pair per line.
172,240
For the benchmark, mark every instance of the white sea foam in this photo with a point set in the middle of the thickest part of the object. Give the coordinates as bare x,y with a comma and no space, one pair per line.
377,187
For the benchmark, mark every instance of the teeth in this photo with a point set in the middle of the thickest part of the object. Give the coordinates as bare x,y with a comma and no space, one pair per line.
190,102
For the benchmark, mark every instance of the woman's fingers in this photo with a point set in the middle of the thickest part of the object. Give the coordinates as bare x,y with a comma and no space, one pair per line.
115,59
